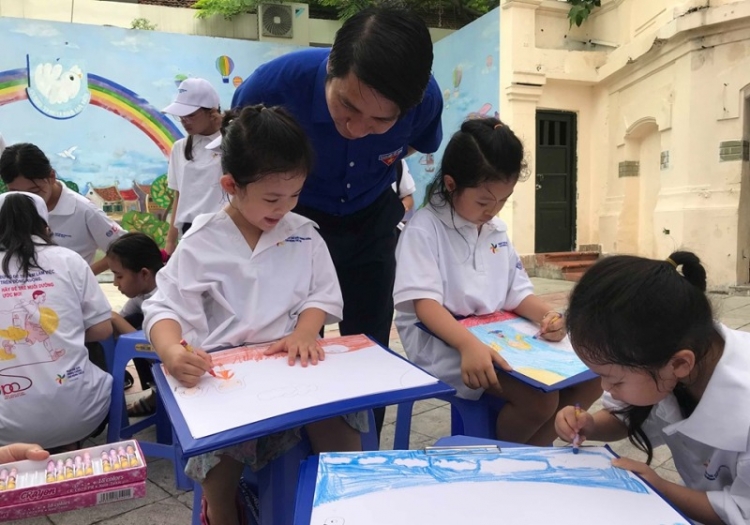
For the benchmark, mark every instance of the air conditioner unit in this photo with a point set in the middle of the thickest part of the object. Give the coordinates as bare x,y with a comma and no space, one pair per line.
286,23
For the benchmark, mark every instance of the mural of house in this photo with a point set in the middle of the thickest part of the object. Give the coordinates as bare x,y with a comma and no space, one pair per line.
130,200
144,196
107,198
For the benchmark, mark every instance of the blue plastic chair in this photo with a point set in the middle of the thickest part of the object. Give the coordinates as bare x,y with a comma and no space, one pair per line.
470,418
119,428
276,483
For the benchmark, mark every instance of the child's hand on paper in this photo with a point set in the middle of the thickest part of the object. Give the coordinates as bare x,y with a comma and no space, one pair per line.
477,365
185,366
299,344
567,425
552,326
640,468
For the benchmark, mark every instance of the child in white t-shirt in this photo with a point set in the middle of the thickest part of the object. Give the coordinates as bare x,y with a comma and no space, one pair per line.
76,223
50,305
252,272
194,170
404,188
454,258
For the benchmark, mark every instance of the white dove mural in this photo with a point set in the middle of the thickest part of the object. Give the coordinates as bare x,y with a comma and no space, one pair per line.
56,85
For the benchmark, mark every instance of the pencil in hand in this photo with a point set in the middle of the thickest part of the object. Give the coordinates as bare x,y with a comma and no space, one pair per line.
190,349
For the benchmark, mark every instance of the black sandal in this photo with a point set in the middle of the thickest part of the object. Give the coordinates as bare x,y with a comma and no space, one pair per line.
128,380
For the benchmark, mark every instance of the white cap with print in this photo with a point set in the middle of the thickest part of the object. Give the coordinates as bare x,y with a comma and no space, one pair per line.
193,94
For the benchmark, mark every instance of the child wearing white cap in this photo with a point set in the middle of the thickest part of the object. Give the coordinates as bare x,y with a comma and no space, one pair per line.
50,305
194,171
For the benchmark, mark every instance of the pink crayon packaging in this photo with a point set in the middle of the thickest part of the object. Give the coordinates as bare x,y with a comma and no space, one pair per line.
71,480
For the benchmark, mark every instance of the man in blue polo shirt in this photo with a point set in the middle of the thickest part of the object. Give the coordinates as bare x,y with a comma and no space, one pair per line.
365,104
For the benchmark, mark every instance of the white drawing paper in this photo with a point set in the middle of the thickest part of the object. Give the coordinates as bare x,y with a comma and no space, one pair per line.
248,386
517,486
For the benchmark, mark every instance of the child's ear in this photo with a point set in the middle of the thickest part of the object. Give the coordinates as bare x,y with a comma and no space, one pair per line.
228,185
682,363
450,183
144,273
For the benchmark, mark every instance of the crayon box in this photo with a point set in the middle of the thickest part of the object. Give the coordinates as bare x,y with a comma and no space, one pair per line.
72,480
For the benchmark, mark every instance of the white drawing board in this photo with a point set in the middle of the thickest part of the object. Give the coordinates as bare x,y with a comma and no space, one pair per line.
249,386
517,486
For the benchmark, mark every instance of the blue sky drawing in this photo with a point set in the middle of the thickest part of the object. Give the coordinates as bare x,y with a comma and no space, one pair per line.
344,476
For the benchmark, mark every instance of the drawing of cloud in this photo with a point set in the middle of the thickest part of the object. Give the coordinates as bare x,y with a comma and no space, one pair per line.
163,82
594,461
456,465
508,466
411,463
132,43
337,459
372,460
37,30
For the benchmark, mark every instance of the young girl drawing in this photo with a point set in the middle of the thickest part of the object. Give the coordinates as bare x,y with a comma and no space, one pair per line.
135,259
194,171
454,258
252,272
50,304
671,375
74,220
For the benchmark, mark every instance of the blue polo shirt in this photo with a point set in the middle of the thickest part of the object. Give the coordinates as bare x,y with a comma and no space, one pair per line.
348,175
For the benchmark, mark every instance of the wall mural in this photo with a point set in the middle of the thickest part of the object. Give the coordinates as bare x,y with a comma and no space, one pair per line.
90,98
466,69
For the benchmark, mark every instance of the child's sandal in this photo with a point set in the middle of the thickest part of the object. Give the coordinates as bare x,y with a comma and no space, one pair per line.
143,406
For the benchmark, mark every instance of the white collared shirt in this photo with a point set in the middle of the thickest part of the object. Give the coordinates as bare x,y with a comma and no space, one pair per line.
77,224
197,180
711,448
223,293
443,257
134,305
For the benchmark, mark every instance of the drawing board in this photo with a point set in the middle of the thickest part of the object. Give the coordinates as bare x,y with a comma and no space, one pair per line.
540,363
515,486
248,386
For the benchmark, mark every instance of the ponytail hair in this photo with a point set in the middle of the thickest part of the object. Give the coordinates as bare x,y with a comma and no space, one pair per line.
21,222
637,313
483,150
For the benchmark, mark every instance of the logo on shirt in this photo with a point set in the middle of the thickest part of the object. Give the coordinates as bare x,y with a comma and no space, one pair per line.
114,229
294,238
495,246
390,158
519,265
63,235
60,379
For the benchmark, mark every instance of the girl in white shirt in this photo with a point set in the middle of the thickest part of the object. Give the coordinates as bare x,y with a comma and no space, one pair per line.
194,171
76,223
671,375
454,259
252,272
51,303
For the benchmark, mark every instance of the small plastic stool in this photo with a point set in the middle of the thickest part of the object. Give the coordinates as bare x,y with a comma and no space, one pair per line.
119,428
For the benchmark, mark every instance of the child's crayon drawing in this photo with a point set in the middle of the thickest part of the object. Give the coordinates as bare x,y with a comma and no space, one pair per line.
508,486
266,386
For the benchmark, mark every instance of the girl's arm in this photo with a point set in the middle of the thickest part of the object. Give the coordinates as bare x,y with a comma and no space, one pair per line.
185,365
98,331
477,359
100,266
171,243
121,325
693,503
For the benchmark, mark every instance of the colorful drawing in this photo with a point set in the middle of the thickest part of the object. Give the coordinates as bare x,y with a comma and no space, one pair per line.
161,195
236,81
410,486
138,221
225,66
179,78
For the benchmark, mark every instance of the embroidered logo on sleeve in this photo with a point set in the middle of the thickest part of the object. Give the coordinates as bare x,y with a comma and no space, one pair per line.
390,158
495,246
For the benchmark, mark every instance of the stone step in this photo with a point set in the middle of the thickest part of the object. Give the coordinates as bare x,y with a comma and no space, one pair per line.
556,257
742,290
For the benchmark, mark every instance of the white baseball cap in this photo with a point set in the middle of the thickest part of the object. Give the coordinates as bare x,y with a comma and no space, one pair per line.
193,94
39,204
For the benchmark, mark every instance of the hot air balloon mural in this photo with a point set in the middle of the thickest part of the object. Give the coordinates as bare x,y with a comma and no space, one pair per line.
225,66
178,79
236,81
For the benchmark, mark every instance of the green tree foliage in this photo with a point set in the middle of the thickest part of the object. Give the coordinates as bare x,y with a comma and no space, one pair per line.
70,184
3,187
138,221
160,192
580,10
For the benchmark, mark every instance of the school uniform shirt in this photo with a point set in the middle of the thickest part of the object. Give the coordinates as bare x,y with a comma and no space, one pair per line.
134,305
197,180
407,185
2,144
711,448
77,224
443,257
51,393
223,293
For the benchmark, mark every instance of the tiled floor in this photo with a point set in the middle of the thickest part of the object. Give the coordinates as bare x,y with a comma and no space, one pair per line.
164,505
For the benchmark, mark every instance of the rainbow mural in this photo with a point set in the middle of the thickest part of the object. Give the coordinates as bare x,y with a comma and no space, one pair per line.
107,95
